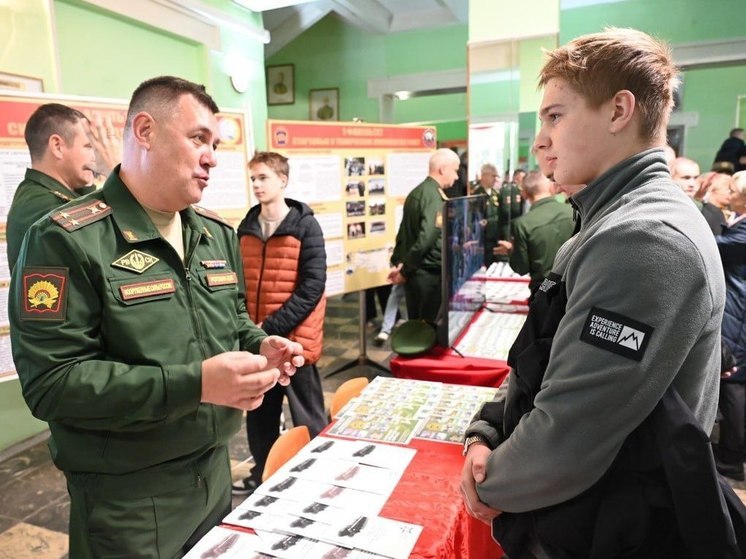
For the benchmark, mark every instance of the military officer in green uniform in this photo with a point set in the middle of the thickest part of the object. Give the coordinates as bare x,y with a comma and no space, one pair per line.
66,153
417,253
510,208
131,338
489,178
538,234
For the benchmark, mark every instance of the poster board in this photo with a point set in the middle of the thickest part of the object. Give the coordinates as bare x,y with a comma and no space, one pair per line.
228,193
355,177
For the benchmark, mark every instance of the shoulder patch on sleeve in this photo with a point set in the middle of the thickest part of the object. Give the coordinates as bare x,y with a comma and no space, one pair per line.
44,293
204,212
616,333
72,218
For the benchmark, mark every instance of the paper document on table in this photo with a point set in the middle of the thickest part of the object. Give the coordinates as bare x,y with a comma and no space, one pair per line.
224,543
376,427
343,473
362,452
306,491
383,536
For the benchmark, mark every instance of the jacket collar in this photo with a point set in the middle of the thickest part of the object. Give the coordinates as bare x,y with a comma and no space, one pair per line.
49,183
135,225
623,178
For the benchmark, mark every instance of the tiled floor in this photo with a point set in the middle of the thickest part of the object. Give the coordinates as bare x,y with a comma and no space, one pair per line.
34,505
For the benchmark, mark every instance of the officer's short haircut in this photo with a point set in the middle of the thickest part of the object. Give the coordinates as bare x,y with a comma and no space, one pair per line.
599,65
736,132
489,167
535,183
275,161
49,119
160,95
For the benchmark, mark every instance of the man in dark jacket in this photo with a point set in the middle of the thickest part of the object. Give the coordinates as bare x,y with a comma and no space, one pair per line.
418,249
732,246
284,261
733,151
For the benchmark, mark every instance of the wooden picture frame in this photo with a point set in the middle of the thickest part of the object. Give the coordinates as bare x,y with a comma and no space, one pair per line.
323,104
281,84
18,82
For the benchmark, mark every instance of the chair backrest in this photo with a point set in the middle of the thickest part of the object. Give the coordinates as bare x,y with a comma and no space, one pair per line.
284,448
346,391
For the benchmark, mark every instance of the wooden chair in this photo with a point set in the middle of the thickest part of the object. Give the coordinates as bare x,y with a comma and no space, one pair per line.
284,448
346,391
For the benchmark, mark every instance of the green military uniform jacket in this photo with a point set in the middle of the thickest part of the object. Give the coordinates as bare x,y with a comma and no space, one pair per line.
538,235
492,230
419,237
109,330
37,195
510,208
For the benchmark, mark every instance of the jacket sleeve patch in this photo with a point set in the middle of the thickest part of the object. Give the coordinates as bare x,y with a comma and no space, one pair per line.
616,333
44,294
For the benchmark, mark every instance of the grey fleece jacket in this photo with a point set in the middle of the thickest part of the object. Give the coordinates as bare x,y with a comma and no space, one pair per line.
645,252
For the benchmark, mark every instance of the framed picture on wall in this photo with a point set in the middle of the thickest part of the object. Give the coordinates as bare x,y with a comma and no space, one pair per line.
323,104
16,82
281,84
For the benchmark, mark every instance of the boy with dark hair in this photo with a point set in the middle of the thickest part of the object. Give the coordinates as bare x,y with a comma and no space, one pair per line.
284,261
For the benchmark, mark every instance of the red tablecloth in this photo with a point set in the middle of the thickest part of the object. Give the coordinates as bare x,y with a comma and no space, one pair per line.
443,365
428,494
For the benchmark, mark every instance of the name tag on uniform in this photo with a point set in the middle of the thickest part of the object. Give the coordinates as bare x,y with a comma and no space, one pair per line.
223,278
147,289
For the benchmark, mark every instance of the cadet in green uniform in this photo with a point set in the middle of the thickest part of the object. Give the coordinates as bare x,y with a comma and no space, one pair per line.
63,161
131,338
538,235
418,241
488,179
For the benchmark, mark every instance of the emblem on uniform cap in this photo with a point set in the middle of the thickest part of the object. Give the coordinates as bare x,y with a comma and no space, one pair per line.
45,293
135,261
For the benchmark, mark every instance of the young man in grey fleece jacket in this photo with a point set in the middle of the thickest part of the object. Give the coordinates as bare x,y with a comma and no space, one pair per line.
643,280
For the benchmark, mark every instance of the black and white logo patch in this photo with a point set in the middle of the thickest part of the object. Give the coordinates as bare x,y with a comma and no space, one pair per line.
616,333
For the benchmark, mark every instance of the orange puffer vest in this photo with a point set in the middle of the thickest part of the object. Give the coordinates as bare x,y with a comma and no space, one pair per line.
285,277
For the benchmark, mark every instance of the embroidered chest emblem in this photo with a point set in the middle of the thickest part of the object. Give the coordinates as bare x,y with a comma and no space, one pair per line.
135,261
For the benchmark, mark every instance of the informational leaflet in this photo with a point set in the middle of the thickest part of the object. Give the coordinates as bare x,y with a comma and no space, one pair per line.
224,543
355,177
427,410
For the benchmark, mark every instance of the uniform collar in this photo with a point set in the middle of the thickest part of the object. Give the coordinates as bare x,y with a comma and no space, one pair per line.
541,202
49,183
130,216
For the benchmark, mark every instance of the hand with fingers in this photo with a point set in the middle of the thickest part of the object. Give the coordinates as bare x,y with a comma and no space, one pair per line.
237,379
474,471
107,143
283,354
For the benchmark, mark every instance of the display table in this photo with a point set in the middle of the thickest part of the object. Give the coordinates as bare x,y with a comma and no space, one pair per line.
444,365
428,494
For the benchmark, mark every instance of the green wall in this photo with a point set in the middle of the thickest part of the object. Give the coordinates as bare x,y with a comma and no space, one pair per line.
711,93
335,54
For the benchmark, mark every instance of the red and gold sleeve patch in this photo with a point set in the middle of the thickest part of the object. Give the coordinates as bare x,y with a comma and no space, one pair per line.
44,294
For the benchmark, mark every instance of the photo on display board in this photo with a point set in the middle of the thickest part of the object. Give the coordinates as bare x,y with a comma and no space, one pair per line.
355,188
376,186
375,167
355,166
281,84
323,104
377,208
356,230
356,209
377,227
